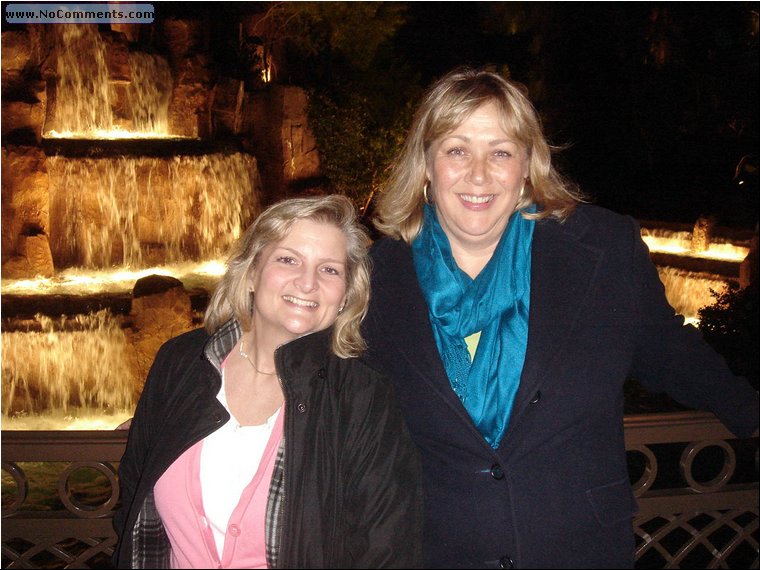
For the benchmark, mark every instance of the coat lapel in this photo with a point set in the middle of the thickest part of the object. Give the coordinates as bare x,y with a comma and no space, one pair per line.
563,268
404,323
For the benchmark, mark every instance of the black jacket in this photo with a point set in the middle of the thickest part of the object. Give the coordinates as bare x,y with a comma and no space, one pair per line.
351,472
556,493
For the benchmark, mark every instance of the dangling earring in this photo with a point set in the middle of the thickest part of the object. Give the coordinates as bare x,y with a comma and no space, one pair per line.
425,192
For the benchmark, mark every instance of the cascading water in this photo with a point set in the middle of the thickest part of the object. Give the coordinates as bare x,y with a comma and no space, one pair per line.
117,212
86,97
39,388
149,93
689,290
132,210
682,243
83,94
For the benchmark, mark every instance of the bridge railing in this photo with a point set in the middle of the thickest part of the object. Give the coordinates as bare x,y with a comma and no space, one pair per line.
696,485
697,490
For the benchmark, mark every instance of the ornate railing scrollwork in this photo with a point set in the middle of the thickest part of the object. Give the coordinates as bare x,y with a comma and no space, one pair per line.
696,486
19,479
81,509
697,492
68,524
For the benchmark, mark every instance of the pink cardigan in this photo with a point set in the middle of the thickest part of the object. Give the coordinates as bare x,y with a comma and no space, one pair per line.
180,503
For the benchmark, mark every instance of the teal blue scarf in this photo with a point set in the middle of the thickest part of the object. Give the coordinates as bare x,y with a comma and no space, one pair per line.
496,303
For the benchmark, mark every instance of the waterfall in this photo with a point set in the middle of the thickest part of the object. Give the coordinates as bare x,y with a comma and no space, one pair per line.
149,93
83,95
78,365
91,104
687,291
129,211
117,211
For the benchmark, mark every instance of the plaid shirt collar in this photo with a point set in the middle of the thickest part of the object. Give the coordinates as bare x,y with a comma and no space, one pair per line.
222,342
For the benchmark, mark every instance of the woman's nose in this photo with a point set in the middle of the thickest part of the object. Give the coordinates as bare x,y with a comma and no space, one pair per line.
479,170
306,280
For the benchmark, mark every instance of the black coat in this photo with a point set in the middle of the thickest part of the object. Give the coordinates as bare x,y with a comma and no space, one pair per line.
351,472
556,493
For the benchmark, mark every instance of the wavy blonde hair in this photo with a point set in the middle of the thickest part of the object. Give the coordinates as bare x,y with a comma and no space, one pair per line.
447,104
232,298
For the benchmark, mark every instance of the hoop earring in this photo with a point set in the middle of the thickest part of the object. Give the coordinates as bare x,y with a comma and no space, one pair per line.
425,192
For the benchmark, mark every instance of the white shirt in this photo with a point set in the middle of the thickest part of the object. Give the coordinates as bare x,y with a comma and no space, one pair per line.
229,459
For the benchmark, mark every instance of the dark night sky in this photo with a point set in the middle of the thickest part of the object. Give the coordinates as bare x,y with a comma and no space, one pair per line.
656,139
654,103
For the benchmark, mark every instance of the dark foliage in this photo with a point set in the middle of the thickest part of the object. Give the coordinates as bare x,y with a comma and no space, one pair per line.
730,326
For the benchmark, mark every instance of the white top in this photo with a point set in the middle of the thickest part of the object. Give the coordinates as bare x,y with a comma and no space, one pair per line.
229,459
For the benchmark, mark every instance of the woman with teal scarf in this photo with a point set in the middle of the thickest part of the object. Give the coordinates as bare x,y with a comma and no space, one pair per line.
508,314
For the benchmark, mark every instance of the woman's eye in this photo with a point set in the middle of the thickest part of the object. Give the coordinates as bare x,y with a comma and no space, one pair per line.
502,154
456,151
331,270
286,259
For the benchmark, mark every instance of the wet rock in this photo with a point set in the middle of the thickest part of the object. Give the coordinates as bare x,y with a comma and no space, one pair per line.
36,249
161,309
25,196
193,69
117,57
282,139
188,111
131,31
227,106
16,53
23,116
34,259
182,36
702,234
154,285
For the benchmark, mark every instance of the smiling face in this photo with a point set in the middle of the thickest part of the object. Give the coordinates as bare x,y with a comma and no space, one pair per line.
299,284
476,174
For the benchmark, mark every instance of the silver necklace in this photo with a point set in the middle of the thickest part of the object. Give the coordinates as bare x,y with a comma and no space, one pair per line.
248,358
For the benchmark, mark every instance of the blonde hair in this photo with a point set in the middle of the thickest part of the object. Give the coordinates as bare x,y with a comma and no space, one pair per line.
447,104
232,297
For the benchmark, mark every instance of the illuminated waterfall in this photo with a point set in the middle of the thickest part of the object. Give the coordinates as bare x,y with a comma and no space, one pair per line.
68,369
86,96
168,207
129,211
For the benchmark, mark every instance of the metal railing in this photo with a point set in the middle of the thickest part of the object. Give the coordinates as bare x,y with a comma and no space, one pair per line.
73,530
696,485
697,490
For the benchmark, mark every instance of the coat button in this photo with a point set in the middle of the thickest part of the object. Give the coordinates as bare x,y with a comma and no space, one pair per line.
536,397
497,472
321,373
234,530
506,562
301,407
